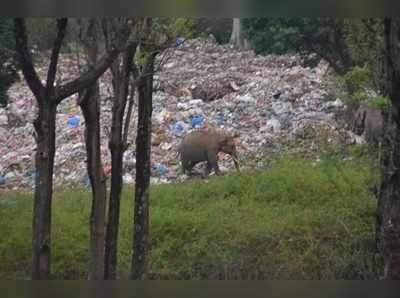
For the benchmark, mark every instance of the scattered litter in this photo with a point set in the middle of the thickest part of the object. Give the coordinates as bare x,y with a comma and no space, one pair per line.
177,129
179,41
160,169
269,100
73,121
196,121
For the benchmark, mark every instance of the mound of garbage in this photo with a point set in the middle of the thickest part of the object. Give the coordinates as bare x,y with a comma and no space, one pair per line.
265,100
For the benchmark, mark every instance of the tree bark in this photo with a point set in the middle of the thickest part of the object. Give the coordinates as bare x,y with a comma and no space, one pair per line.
45,125
117,145
89,102
388,213
48,97
237,39
143,154
41,241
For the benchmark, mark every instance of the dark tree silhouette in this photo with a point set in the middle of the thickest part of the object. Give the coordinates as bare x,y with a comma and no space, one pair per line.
48,97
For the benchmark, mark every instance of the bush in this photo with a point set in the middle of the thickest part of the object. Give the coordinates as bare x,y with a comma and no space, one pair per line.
182,27
220,28
8,72
382,102
357,80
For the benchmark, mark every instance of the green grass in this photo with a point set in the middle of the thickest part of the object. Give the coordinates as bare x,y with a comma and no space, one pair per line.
295,220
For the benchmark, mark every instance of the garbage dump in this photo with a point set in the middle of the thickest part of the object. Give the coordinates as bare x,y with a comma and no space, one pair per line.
267,101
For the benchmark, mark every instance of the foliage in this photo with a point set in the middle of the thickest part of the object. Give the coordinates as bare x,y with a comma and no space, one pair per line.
298,219
182,27
381,102
364,37
359,85
8,72
357,79
220,28
272,35
342,42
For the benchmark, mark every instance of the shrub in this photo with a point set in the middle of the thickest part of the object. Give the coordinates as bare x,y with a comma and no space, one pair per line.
182,27
381,102
357,80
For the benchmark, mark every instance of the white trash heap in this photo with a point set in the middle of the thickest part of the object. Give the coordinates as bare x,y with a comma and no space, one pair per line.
265,100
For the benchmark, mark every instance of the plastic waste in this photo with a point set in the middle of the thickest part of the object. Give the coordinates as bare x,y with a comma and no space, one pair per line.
179,41
177,128
2,180
196,121
73,121
220,118
31,175
160,169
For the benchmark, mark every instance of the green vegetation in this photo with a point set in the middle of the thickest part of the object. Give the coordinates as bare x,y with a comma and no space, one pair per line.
359,88
342,42
357,80
298,219
381,102
8,72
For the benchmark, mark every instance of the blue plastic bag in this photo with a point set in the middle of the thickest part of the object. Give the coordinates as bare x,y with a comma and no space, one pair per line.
2,180
179,41
177,129
160,169
73,121
196,121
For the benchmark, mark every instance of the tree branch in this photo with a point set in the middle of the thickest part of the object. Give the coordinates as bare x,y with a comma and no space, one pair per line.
25,59
90,76
51,73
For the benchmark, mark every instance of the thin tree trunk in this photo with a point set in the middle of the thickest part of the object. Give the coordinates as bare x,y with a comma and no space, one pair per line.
48,97
237,39
143,153
44,160
121,78
91,111
45,126
388,213
89,102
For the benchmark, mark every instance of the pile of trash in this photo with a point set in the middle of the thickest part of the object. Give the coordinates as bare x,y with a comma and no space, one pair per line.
264,100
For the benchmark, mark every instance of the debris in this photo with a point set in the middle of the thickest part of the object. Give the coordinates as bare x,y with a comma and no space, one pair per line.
177,128
160,169
196,121
73,121
179,41
269,100
234,86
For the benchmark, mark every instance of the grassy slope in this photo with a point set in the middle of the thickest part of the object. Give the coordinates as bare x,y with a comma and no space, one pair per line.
296,220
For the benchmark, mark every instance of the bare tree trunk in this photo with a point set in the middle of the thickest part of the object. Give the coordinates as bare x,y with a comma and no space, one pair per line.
117,145
237,38
44,160
388,213
143,154
89,102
